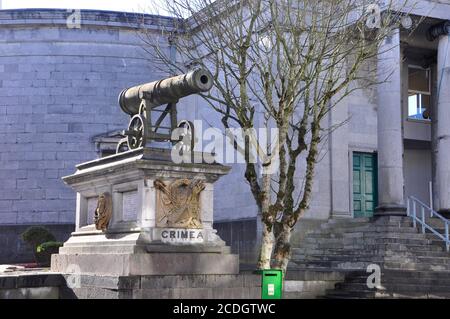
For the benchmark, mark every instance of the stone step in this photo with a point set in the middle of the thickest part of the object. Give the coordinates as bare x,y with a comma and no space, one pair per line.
351,238
435,222
412,248
324,264
362,264
372,220
394,287
430,260
415,266
366,294
363,229
388,280
392,273
421,259
312,275
351,258
416,274
348,225
411,239
336,221
345,294
368,234
433,236
302,252
374,248
418,253
333,243
376,251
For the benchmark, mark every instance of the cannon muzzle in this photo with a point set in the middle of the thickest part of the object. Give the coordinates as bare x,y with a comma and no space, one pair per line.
165,91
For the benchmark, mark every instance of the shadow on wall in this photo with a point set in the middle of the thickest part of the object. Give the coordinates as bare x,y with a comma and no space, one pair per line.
14,250
241,236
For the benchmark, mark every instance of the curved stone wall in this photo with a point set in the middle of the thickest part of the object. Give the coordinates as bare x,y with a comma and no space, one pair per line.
58,89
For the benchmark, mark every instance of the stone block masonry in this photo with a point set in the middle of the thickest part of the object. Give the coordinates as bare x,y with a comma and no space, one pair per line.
44,284
58,89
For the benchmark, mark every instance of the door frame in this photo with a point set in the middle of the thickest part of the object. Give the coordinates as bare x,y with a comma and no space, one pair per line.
359,149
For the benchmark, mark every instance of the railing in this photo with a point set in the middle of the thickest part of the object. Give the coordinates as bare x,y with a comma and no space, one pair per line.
413,205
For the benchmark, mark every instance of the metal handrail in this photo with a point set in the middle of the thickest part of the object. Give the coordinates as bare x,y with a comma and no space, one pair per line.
412,212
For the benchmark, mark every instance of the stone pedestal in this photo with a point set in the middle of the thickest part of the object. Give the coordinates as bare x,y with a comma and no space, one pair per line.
390,137
151,230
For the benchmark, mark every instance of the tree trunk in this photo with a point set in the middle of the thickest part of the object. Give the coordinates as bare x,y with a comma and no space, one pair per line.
265,253
282,252
267,219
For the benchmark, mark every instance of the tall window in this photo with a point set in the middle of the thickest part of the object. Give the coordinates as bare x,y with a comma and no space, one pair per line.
419,93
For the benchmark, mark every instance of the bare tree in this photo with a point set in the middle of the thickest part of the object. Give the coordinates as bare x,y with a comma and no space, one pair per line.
285,63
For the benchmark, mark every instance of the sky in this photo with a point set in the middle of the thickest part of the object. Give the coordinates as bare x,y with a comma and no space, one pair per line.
146,6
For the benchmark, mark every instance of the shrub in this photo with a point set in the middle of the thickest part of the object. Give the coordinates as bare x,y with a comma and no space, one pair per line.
44,252
36,237
49,246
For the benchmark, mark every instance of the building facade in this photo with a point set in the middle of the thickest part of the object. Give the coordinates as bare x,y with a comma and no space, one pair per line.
58,94
60,75
394,141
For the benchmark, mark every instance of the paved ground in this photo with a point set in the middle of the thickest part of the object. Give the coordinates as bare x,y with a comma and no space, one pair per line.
21,269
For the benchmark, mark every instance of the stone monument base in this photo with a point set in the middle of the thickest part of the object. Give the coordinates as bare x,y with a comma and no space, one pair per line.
240,286
141,191
152,263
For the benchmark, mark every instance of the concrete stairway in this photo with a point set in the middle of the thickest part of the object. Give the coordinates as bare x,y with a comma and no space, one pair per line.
437,224
394,284
412,264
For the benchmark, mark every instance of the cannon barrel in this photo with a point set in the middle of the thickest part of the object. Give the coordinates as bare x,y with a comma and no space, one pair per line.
165,91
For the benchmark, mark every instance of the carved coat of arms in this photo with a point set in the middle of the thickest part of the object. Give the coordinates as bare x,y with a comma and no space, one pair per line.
178,203
103,212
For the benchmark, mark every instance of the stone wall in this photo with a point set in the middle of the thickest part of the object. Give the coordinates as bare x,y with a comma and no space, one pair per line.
246,285
58,89
241,236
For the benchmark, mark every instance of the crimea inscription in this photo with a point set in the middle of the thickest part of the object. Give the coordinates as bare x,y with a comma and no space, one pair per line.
180,235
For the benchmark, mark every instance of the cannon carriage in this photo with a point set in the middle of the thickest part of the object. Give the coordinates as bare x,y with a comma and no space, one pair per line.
150,104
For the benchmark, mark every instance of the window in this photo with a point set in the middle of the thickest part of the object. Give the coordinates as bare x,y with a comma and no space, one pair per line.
419,93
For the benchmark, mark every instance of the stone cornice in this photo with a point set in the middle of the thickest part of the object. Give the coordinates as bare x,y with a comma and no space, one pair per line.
93,18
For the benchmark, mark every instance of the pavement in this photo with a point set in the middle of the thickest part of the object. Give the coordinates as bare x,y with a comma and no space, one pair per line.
25,268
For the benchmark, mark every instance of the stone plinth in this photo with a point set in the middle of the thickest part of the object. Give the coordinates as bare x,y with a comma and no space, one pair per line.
161,218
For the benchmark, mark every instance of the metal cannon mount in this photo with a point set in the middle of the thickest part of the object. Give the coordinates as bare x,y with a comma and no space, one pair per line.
150,104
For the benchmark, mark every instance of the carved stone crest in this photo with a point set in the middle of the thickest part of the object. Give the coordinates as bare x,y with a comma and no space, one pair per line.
178,203
103,212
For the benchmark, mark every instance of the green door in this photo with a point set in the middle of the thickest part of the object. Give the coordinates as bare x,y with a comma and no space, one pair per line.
364,184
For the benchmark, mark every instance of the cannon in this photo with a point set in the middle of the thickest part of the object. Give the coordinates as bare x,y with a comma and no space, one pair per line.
158,100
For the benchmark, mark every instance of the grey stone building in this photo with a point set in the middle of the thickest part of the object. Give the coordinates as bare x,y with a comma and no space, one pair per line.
58,107
395,142
59,83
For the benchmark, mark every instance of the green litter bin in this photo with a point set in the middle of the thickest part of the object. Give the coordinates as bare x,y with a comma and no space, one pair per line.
272,284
